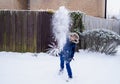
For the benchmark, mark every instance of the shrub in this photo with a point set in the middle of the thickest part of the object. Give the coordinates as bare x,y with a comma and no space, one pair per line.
77,24
100,40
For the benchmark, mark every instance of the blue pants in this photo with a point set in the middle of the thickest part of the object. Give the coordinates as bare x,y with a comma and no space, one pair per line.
69,71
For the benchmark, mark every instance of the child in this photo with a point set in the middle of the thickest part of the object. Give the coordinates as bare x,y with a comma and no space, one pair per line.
67,54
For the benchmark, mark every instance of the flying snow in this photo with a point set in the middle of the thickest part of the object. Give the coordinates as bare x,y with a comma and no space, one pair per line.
61,21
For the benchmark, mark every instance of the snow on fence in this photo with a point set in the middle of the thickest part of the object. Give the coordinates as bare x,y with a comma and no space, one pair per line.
25,31
91,22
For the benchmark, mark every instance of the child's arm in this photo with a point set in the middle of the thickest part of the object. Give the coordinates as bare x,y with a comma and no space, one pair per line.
73,51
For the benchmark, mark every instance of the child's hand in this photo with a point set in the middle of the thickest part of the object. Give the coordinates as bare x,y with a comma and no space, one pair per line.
70,59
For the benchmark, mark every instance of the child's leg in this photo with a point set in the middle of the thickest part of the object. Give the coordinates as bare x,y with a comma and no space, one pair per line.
69,70
61,62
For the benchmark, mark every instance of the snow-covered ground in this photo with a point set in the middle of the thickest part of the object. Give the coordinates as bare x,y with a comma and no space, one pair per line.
88,68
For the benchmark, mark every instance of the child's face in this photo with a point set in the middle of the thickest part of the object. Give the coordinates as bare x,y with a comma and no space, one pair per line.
72,38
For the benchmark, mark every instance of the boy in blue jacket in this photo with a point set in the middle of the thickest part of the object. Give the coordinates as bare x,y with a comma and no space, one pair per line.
67,54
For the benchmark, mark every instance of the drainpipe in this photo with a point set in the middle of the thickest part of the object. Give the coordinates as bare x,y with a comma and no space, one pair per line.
28,4
105,9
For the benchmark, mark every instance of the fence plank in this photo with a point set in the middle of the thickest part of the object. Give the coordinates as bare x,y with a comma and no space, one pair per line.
30,32
24,31
43,32
1,30
18,31
39,23
35,30
4,30
13,29
8,29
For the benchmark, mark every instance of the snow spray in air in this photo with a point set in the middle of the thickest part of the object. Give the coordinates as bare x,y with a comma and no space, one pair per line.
61,23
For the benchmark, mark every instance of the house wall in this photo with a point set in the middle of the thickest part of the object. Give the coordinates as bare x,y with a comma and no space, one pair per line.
90,7
13,4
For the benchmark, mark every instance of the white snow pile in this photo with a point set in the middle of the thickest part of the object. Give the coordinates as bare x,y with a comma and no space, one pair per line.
87,68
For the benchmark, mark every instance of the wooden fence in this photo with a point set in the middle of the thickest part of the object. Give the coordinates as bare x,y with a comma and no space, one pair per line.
31,31
91,22
25,31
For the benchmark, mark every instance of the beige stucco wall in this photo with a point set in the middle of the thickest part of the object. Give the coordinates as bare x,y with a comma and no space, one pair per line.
13,4
90,7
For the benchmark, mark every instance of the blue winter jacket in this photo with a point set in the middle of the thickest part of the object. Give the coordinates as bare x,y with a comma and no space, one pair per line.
68,51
